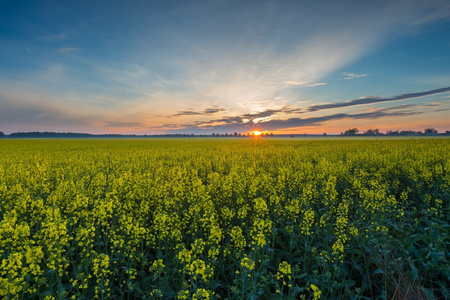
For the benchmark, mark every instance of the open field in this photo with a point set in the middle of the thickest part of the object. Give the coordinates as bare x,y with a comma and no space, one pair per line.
232,218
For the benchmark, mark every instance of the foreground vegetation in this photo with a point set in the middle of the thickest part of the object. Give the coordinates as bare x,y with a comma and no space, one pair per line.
200,219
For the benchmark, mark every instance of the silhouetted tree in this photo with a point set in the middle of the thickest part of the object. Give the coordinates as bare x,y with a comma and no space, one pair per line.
1,134
271,134
447,132
372,132
430,131
352,131
324,134
235,134
392,132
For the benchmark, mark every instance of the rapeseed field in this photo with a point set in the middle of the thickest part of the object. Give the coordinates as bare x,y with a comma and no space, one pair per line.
225,219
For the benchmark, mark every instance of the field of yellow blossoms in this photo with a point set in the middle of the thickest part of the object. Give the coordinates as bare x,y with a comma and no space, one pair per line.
225,219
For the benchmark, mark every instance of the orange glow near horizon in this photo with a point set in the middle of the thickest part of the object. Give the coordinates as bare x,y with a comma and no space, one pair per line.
256,133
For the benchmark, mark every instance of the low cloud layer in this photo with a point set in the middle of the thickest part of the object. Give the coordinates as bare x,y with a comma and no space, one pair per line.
270,120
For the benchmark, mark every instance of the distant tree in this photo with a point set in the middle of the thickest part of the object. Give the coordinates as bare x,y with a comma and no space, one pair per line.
430,131
410,132
239,134
324,134
1,134
226,134
213,134
271,134
447,132
372,132
392,132
235,134
291,136
352,131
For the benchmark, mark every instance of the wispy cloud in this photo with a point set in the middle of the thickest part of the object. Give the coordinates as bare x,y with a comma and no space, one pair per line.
372,100
297,82
69,49
316,84
208,111
353,75
304,83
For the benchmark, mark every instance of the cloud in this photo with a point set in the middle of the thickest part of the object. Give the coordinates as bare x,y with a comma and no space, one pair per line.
372,100
272,119
237,125
297,82
305,83
353,75
208,111
316,84
68,49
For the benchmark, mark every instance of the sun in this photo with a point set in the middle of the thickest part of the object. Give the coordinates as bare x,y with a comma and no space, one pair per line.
256,133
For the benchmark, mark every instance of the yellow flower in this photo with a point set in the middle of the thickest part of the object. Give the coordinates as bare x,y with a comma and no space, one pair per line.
284,269
316,291
247,263
201,294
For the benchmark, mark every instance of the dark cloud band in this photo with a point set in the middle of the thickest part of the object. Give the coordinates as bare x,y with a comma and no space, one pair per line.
372,100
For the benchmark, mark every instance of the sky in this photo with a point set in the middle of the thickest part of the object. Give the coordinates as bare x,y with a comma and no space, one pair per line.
202,67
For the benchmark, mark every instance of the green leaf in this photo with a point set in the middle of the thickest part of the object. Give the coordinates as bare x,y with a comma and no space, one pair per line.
299,276
377,271
349,283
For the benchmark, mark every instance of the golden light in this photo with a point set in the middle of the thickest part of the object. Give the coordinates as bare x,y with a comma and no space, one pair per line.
256,133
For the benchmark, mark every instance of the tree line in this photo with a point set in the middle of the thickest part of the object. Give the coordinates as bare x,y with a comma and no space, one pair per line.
427,131
349,132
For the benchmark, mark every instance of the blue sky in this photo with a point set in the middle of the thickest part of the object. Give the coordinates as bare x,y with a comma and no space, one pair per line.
224,66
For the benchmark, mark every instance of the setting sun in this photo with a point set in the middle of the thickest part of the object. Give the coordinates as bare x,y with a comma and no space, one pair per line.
256,133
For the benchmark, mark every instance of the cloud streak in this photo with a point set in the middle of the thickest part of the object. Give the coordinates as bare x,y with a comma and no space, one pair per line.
304,83
373,100
208,111
353,75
